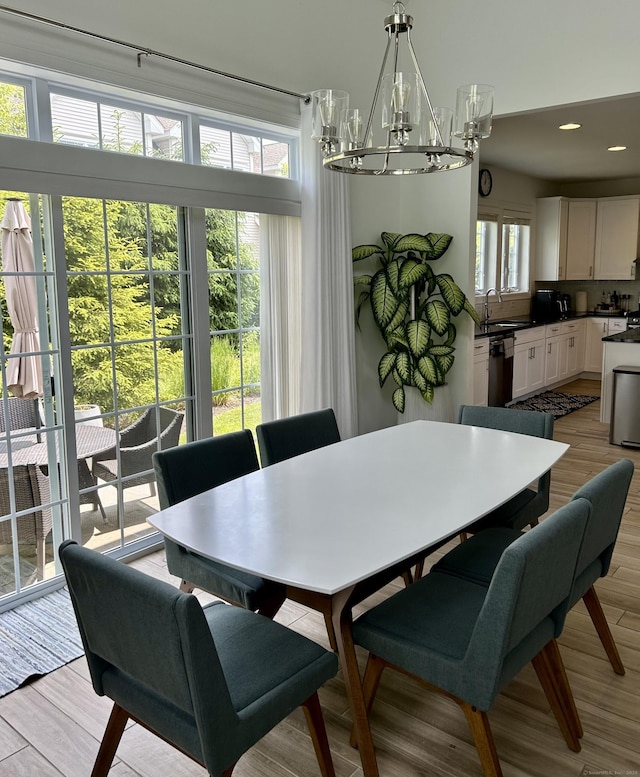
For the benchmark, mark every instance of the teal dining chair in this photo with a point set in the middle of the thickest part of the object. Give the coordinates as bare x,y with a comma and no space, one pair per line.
190,469
529,505
287,437
467,640
210,681
477,558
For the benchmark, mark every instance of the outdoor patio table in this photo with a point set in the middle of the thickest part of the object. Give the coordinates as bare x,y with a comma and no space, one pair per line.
327,522
90,440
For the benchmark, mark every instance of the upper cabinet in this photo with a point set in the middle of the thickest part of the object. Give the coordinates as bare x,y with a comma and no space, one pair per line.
586,239
581,240
617,238
551,238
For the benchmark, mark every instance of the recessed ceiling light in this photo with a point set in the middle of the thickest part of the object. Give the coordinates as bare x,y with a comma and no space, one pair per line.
617,148
570,126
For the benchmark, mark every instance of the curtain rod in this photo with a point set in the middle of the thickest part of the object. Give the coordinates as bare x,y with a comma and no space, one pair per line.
144,51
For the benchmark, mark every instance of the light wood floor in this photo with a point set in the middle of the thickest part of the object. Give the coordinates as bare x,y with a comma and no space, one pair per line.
53,726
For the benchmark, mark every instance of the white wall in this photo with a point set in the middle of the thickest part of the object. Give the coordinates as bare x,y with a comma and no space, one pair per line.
536,54
441,202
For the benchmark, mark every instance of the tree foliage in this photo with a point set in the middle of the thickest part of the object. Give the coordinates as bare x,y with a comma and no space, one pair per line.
125,285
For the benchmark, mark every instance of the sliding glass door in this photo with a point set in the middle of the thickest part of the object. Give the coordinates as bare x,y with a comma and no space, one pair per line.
127,289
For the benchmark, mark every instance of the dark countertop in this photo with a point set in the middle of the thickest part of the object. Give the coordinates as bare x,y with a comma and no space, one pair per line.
525,322
630,336
519,322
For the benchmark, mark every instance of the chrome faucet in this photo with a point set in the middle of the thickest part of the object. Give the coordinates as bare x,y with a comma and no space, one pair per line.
486,304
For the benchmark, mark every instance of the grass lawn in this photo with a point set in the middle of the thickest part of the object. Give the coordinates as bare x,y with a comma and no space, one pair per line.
231,420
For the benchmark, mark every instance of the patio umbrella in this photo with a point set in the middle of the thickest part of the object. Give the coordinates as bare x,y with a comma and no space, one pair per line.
24,374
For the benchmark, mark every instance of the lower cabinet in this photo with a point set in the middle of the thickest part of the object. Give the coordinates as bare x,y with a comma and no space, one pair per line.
552,361
547,355
596,329
481,372
574,333
564,357
528,361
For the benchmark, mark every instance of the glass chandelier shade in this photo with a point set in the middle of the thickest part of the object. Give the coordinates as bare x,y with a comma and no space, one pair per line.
405,134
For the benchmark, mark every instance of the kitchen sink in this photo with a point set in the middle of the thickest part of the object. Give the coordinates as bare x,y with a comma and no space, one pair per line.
505,323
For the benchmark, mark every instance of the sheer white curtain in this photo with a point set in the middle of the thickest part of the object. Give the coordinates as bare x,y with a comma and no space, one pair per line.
308,346
328,344
280,316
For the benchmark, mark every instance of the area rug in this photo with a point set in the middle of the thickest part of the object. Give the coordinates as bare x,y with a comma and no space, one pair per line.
36,638
555,402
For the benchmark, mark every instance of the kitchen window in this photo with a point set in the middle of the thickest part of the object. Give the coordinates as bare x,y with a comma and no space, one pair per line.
503,251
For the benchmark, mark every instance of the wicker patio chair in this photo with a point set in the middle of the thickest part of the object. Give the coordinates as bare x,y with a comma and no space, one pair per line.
138,442
31,488
23,414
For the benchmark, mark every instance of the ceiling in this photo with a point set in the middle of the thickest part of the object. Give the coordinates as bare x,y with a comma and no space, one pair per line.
531,143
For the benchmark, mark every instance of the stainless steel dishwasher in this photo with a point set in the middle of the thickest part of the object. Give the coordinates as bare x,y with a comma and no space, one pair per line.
500,369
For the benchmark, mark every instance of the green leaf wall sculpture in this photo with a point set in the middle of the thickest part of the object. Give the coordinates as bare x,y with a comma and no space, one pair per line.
413,308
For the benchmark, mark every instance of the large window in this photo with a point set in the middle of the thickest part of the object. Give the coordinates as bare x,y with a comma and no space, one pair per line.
13,109
514,267
233,253
92,123
249,153
502,252
148,306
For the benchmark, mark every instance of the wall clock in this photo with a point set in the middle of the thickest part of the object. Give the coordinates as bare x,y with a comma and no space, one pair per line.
485,183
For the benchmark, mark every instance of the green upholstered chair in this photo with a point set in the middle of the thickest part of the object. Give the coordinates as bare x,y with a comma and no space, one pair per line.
477,558
527,506
211,681
288,437
190,469
468,640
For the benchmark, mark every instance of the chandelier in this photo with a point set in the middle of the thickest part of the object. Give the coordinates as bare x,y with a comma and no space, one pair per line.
416,136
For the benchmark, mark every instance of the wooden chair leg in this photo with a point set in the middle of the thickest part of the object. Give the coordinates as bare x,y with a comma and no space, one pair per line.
553,678
318,731
483,739
370,683
408,578
418,571
110,741
186,587
272,605
330,632
463,536
558,671
594,608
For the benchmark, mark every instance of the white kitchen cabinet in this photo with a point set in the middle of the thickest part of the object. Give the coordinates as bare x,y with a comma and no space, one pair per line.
481,372
552,364
596,329
581,240
551,238
616,325
574,335
528,361
617,238
564,351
